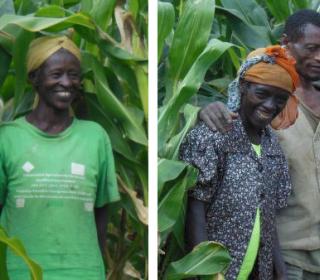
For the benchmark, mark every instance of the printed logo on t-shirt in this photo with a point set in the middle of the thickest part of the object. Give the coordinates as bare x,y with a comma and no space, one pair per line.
77,169
88,206
20,202
28,167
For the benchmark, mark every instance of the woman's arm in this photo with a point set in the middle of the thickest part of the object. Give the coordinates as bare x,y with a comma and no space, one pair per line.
195,223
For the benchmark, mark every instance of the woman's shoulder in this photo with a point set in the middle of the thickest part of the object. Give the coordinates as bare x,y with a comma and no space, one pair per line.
201,137
204,133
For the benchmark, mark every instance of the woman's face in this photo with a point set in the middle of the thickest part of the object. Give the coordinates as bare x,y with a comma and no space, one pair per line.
260,104
58,80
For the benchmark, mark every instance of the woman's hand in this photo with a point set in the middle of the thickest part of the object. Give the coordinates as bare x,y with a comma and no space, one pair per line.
195,223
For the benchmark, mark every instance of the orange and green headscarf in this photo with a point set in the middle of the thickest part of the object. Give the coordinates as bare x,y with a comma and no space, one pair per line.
269,66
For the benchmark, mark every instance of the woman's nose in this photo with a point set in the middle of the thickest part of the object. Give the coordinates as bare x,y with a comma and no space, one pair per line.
65,80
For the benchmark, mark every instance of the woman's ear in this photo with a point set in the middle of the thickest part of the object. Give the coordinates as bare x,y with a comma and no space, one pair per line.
33,78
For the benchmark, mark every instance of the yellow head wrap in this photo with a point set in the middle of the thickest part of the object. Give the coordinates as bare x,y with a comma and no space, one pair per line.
42,48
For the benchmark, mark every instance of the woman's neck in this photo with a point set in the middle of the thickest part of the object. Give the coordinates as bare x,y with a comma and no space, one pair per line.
49,120
253,133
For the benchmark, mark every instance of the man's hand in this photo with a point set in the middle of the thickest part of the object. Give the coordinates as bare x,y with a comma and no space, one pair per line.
217,116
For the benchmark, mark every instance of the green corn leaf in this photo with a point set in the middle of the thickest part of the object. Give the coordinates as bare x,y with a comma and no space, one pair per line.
98,114
142,80
301,4
188,87
190,115
114,106
248,35
207,258
51,11
170,206
133,6
102,11
166,19
168,170
5,59
190,39
279,9
34,24
20,50
16,246
112,49
251,12
125,76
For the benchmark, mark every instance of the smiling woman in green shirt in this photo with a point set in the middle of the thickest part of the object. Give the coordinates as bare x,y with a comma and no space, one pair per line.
56,173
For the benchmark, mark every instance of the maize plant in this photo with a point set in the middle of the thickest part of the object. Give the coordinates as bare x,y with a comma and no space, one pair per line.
112,36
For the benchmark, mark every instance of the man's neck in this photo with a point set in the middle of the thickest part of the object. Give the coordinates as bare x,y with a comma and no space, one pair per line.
310,96
49,120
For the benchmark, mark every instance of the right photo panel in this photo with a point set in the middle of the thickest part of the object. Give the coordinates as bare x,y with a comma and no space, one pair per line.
239,139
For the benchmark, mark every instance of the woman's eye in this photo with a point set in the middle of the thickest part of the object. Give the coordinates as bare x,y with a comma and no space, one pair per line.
261,94
55,75
74,75
312,48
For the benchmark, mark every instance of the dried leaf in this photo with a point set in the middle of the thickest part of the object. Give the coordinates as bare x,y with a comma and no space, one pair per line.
131,271
141,210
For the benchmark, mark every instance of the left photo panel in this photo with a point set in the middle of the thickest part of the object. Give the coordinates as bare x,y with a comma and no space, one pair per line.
73,140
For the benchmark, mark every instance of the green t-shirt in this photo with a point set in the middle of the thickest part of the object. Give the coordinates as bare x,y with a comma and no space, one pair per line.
49,186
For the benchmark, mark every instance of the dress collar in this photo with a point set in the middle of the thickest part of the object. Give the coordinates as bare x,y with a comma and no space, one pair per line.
239,141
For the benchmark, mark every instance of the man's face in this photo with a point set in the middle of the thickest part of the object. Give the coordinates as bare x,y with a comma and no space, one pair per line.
306,51
260,104
58,80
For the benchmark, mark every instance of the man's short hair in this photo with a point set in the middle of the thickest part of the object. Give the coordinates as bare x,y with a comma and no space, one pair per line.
297,22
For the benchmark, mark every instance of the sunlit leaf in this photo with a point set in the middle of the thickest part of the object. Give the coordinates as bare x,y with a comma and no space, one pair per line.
207,258
142,210
170,206
190,39
34,24
165,23
16,246
186,88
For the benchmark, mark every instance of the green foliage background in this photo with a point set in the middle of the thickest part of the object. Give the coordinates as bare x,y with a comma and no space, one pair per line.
113,38
201,45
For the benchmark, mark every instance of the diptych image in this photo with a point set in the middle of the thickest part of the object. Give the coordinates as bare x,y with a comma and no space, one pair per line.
159,140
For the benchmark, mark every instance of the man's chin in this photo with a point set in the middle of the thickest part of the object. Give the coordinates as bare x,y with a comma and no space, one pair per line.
62,106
